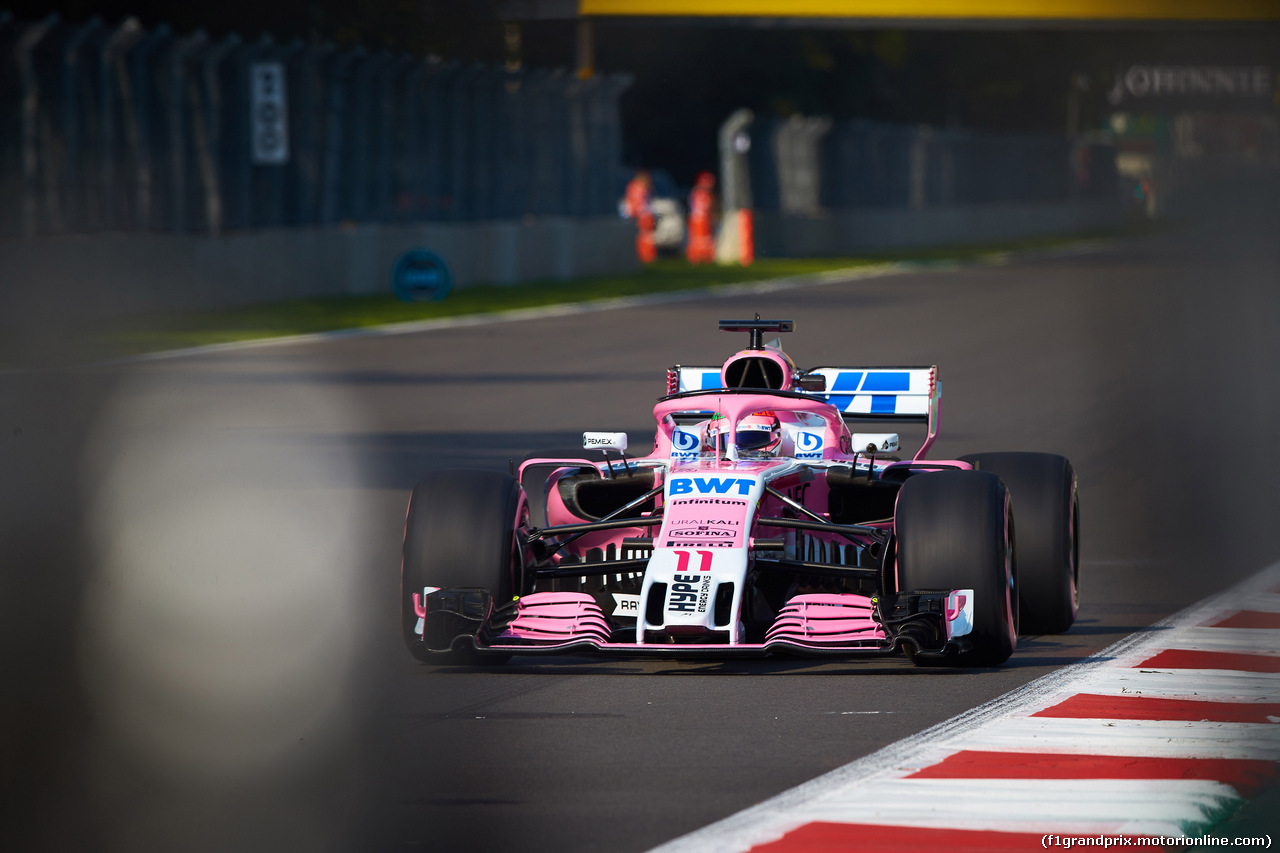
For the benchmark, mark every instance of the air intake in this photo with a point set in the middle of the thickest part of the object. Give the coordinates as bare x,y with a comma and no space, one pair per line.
755,371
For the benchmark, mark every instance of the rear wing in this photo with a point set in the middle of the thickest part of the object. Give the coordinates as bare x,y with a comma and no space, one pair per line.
875,393
859,393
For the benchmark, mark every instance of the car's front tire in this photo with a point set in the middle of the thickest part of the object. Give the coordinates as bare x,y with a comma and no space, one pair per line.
1046,505
459,534
955,531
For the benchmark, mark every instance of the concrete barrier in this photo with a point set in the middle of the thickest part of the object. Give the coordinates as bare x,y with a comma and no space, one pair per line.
845,232
114,274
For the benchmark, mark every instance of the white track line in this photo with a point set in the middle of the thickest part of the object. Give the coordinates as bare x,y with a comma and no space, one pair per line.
1210,685
1064,803
1254,641
873,789
1156,738
1267,603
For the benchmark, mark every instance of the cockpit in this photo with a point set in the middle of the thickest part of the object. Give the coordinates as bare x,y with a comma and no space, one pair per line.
758,436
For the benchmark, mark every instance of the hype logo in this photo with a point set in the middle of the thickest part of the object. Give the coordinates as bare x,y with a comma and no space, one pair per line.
808,445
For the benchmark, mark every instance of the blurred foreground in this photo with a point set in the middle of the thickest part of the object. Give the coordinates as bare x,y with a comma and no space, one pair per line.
185,616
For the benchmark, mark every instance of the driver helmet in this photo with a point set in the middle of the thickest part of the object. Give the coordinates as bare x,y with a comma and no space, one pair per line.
759,435
713,434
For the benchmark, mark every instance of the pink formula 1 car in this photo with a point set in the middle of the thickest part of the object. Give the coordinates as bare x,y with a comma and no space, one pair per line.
759,523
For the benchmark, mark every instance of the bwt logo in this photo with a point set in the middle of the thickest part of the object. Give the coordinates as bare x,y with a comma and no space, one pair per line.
808,442
684,441
711,485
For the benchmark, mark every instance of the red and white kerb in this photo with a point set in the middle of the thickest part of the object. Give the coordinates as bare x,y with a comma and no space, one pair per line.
1165,733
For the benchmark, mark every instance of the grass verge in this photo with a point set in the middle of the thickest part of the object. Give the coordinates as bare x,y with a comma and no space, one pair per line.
179,330
302,316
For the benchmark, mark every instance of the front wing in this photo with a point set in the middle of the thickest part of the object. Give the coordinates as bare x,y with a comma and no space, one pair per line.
925,624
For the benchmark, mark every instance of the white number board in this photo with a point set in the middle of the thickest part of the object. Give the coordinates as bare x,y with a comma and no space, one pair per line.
269,114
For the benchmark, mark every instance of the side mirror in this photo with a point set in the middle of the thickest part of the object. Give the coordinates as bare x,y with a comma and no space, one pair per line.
875,442
605,441
811,382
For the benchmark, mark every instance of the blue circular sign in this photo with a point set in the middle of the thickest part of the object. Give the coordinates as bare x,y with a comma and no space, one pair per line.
421,276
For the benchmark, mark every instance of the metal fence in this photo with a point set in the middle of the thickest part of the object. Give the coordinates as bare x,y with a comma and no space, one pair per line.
123,129
802,165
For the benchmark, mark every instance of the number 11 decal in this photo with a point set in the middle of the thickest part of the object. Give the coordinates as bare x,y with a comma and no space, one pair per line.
682,564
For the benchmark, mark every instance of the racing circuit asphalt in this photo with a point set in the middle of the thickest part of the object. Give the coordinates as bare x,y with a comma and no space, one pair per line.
1151,364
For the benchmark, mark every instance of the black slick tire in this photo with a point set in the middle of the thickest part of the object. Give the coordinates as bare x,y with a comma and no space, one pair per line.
459,534
1042,487
955,531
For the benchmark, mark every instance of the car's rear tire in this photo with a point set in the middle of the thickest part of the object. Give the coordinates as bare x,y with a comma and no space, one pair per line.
459,533
955,531
1042,487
